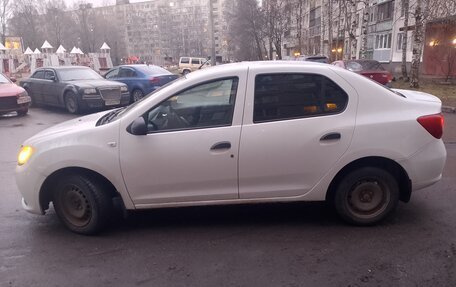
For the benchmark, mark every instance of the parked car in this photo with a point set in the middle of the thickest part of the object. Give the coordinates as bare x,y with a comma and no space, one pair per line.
12,97
190,64
140,79
75,88
369,68
249,132
318,59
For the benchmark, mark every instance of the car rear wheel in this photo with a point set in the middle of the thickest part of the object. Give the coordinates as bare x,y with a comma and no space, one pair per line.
71,103
366,196
22,113
137,95
82,204
185,72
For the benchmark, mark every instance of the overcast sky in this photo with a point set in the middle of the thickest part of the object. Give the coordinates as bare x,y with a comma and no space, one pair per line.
70,3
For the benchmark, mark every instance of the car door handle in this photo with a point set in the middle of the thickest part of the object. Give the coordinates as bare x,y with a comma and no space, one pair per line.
221,145
330,137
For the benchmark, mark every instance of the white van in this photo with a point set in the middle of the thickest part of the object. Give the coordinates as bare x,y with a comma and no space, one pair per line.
190,64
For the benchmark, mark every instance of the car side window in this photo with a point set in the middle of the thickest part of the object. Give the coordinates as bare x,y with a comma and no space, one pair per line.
207,105
112,74
195,61
291,96
185,60
49,75
127,73
38,75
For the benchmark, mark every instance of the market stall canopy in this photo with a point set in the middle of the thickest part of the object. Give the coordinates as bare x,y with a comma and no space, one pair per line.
37,51
74,51
105,47
60,50
2,48
46,45
79,51
28,51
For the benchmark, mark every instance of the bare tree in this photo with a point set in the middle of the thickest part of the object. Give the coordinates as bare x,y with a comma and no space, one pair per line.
25,22
405,8
364,28
5,13
246,29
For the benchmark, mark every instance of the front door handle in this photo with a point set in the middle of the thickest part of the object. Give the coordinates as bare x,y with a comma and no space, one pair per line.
330,137
221,145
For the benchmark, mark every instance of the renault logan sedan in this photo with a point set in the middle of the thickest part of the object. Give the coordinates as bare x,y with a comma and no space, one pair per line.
242,133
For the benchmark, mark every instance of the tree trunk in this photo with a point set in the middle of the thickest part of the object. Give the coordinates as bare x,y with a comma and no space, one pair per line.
364,30
330,29
405,4
417,46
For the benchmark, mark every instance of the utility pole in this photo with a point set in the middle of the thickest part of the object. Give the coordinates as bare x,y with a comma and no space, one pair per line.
211,31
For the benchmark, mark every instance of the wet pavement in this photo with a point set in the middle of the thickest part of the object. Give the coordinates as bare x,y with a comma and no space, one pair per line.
261,245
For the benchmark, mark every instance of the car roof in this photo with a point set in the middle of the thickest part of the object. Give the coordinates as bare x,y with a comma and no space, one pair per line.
63,68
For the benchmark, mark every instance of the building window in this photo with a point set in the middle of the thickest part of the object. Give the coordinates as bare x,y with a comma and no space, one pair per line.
385,11
400,39
383,41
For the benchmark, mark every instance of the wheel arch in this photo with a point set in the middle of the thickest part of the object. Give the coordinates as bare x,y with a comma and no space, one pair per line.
65,91
405,186
45,196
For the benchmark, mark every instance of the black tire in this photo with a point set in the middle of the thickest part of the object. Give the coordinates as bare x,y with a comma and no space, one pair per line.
185,72
82,204
71,103
22,113
33,103
136,95
366,196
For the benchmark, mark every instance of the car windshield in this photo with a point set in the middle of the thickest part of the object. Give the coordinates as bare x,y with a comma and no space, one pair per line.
4,80
152,70
78,74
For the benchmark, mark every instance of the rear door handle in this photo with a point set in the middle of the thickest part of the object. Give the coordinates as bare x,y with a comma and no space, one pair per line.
221,145
330,137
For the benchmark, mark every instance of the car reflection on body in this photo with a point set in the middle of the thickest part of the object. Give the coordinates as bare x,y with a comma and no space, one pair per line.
75,88
12,97
368,68
140,79
241,133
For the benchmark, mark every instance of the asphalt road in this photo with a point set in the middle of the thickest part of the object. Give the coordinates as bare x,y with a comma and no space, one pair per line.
262,245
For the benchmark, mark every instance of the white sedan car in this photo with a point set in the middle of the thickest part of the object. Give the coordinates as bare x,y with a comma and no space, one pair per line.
240,133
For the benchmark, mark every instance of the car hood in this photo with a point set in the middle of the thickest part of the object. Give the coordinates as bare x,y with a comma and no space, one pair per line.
8,90
418,96
95,83
66,128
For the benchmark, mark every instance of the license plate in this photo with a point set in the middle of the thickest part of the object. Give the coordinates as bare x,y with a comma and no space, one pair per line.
23,100
112,102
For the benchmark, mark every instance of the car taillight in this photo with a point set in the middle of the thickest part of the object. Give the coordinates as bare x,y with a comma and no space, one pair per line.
154,80
433,124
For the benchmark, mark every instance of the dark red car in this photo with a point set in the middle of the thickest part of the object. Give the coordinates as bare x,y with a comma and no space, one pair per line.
368,68
12,97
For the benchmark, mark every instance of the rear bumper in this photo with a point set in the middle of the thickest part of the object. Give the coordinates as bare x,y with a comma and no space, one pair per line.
425,167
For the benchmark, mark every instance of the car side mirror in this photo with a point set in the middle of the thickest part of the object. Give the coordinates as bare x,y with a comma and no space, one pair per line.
52,78
138,127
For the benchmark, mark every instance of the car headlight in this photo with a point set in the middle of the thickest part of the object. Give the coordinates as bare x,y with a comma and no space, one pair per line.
23,94
90,91
24,155
124,89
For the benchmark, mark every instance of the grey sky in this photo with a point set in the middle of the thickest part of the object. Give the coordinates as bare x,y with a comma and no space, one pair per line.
70,3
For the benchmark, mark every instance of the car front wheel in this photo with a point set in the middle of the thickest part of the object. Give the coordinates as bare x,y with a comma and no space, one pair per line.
366,196
82,204
71,103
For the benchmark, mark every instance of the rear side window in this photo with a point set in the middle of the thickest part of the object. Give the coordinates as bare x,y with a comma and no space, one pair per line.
185,60
291,96
38,75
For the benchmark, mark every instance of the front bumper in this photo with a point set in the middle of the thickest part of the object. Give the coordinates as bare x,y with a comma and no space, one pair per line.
9,104
29,183
100,103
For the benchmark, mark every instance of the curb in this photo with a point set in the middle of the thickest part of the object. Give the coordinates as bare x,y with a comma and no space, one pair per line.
448,109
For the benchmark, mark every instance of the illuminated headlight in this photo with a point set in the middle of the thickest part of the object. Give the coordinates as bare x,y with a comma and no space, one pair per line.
124,89
24,155
90,91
